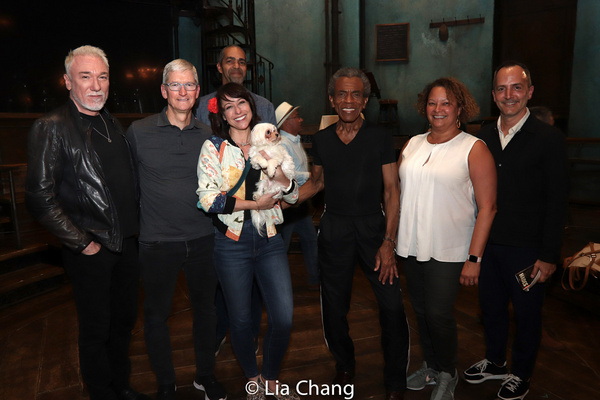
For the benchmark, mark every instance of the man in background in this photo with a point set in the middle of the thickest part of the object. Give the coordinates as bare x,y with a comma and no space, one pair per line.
233,67
298,219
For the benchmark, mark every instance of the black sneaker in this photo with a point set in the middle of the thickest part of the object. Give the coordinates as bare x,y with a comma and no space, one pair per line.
513,388
213,390
485,370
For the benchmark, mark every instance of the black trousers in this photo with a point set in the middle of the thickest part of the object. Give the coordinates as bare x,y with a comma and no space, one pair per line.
161,263
105,287
497,287
433,286
344,241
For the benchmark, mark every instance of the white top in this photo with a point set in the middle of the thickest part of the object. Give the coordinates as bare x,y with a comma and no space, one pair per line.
512,131
437,201
294,148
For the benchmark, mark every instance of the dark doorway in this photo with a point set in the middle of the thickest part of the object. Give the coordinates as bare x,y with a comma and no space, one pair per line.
540,34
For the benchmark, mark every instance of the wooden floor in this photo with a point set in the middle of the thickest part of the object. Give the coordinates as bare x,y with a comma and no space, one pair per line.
38,348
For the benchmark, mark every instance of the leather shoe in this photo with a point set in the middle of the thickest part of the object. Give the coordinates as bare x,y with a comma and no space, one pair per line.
394,395
130,394
343,378
166,392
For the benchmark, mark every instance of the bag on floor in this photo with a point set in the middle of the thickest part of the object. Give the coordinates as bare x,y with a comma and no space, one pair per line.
584,263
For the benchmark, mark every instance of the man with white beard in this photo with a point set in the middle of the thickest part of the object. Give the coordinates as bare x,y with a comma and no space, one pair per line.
81,187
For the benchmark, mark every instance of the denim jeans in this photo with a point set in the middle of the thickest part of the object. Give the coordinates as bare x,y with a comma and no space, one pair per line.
303,225
238,264
160,264
105,287
223,314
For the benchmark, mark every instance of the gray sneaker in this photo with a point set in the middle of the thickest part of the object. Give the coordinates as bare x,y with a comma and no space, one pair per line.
422,377
445,387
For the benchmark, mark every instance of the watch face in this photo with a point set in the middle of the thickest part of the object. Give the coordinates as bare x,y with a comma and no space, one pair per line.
473,258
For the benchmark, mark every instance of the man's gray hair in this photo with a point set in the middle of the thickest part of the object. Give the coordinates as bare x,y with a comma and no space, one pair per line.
179,65
349,72
86,50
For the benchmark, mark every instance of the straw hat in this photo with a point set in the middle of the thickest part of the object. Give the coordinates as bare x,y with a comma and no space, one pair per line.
282,113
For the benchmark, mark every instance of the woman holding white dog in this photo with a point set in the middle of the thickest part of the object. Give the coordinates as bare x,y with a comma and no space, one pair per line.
447,205
226,183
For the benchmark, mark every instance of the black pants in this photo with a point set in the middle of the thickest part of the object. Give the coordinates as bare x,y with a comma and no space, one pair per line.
344,241
498,286
105,287
433,287
161,263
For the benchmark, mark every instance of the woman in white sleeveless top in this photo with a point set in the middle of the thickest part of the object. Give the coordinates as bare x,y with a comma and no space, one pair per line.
447,205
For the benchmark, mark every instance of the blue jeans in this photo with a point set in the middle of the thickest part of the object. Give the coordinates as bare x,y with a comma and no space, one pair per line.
238,264
161,263
300,221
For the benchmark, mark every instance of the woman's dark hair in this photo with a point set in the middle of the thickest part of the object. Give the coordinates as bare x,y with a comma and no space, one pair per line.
455,90
231,90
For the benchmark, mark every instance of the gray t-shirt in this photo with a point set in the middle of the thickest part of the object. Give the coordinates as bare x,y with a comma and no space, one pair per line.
167,160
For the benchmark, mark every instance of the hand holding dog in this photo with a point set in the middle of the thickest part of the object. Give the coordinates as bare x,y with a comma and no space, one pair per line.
279,176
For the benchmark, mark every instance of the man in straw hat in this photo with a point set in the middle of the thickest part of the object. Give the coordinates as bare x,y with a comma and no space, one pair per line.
298,219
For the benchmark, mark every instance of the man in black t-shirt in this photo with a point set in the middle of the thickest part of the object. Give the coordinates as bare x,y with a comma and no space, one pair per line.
355,161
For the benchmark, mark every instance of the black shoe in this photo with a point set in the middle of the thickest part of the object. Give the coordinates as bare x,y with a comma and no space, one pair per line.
166,392
213,390
130,394
513,388
343,378
485,370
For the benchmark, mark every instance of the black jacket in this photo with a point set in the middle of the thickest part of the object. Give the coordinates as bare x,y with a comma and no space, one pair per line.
66,189
532,187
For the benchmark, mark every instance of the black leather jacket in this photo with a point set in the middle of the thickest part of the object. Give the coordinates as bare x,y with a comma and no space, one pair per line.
66,190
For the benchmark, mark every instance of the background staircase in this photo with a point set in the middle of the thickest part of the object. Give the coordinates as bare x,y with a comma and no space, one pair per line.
32,271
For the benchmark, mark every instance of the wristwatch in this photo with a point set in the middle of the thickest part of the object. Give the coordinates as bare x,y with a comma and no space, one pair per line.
474,259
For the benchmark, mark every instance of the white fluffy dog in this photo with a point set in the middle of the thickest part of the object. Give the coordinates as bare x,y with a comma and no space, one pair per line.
265,139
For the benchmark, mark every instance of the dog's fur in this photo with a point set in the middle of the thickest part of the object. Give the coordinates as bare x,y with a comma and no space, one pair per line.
265,138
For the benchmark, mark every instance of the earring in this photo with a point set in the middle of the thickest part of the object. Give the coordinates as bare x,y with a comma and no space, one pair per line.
457,122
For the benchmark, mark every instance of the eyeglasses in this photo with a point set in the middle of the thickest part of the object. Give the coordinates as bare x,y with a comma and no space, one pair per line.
175,86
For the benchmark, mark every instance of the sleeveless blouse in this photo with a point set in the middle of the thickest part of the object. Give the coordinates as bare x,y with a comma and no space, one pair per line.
437,201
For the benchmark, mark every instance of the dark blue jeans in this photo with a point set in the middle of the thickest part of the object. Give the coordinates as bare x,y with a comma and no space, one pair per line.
161,263
300,221
223,314
105,287
497,287
238,264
